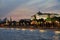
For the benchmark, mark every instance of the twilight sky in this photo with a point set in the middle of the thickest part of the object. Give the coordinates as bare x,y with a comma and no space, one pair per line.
19,9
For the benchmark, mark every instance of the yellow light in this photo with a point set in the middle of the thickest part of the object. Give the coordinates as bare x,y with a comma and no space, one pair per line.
56,21
57,32
42,30
23,29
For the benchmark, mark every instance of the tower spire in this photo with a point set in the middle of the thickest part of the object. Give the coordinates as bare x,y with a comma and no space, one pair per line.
10,19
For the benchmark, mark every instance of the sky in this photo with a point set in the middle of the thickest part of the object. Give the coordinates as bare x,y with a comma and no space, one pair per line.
24,9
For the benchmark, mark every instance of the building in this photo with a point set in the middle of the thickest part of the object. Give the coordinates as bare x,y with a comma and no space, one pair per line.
40,15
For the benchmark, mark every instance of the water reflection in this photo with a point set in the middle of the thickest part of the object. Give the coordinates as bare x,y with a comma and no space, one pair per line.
28,34
23,29
57,32
42,30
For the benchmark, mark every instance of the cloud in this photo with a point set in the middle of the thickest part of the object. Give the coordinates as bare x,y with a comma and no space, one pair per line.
7,6
26,8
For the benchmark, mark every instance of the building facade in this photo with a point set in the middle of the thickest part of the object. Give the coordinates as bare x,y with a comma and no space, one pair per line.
40,15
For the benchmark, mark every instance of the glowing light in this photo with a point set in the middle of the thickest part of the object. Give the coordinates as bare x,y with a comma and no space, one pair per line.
57,32
42,30
56,21
23,29
31,30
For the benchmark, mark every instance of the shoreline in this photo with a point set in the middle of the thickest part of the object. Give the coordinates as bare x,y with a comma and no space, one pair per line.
53,29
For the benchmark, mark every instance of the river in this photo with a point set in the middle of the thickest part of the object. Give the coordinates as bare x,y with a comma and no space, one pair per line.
28,34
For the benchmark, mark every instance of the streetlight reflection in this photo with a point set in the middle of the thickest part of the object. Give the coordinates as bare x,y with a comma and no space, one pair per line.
23,29
42,30
57,32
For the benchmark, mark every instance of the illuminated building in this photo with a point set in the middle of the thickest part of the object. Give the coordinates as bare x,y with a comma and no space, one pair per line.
40,15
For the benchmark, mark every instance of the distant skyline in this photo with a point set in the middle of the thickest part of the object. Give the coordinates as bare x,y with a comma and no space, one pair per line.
19,9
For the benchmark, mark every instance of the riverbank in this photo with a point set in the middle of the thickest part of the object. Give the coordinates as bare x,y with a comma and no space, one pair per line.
30,27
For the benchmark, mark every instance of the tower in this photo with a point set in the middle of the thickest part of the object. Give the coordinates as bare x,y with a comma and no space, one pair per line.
10,19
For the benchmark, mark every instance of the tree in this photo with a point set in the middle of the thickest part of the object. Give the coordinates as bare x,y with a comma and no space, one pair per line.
58,19
41,20
14,23
21,22
48,19
54,19
34,18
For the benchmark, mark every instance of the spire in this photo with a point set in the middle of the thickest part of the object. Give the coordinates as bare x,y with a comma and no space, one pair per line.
10,19
39,13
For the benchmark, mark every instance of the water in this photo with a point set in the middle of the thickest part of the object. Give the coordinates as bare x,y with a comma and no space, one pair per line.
27,34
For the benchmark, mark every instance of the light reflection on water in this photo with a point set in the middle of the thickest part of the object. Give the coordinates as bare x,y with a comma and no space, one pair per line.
42,30
28,34
57,32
